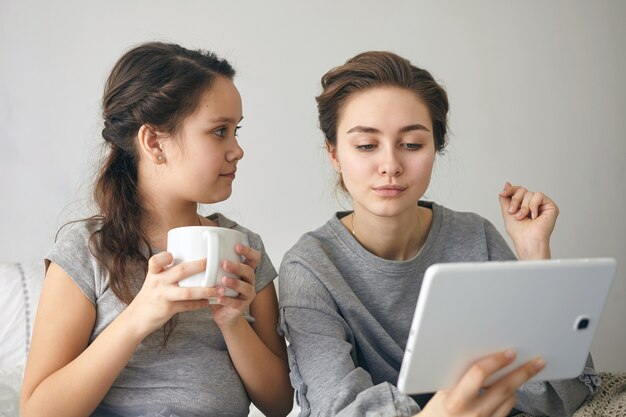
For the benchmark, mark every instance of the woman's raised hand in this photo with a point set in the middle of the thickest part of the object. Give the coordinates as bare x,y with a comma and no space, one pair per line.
471,396
529,218
160,296
229,309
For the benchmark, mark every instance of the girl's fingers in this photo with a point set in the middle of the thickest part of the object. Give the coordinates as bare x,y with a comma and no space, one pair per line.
159,262
246,272
253,256
466,391
233,302
184,270
181,306
245,289
191,293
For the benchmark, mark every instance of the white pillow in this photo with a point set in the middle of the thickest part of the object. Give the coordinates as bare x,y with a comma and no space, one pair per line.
20,287
10,381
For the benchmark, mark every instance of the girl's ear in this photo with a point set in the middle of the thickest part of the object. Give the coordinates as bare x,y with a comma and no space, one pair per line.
149,145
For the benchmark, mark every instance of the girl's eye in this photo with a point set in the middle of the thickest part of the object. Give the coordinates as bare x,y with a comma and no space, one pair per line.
364,147
221,132
412,146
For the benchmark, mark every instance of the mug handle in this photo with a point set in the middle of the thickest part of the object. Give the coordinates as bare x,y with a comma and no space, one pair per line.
212,259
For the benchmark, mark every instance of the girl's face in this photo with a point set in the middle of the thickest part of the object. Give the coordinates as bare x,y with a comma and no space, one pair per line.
203,160
385,149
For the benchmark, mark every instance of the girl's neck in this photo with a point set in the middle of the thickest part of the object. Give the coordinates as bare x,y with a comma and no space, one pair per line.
161,216
395,238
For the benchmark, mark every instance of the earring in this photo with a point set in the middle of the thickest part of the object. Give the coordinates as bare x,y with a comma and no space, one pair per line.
160,158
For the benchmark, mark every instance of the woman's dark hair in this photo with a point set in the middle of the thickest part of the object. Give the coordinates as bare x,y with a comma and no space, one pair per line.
157,84
380,69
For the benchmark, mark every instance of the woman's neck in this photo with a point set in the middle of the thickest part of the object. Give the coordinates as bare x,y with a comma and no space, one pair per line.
395,238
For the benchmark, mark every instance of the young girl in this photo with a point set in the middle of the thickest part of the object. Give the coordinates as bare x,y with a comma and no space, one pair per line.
115,335
348,290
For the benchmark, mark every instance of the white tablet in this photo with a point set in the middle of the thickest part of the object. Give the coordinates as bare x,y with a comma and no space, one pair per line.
465,311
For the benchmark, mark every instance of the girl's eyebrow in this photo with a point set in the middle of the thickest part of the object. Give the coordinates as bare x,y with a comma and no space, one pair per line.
367,129
225,120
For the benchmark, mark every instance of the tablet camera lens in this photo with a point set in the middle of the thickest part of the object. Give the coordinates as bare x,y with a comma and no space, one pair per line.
582,324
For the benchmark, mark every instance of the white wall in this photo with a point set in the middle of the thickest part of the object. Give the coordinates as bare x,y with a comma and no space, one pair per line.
537,90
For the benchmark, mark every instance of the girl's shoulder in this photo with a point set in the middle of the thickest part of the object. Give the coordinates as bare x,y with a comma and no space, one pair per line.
76,234
251,238
73,252
265,271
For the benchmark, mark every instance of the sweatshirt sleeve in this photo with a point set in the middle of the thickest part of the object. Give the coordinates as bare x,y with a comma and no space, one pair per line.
322,357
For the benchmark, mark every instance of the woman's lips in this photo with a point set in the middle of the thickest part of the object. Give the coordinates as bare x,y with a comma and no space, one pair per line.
389,190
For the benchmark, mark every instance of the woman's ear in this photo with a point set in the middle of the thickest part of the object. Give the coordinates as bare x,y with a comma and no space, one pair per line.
332,154
150,145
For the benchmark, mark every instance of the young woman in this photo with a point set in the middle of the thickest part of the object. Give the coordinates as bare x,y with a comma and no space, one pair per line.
348,290
115,335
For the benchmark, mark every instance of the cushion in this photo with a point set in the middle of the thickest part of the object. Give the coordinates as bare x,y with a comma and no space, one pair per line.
20,287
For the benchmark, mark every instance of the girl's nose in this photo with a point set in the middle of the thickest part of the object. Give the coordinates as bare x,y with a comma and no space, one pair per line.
236,153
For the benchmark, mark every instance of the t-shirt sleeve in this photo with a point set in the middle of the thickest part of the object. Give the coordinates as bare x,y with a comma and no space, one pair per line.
265,271
321,349
71,253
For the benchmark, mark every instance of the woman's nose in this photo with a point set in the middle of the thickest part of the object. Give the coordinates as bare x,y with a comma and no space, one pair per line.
390,165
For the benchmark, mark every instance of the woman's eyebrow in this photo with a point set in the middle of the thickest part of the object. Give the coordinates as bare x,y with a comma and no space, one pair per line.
367,129
363,129
416,126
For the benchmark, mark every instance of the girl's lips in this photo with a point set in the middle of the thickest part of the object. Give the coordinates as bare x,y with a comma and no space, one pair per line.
230,175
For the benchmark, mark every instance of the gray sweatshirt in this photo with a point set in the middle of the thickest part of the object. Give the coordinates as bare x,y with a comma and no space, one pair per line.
347,314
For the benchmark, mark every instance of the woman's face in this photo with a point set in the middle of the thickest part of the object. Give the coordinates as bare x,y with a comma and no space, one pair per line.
386,150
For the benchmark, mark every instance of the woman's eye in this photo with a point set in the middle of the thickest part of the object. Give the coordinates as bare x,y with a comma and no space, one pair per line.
221,132
412,146
364,147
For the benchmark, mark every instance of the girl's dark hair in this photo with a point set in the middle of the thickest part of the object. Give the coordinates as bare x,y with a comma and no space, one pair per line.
157,84
380,69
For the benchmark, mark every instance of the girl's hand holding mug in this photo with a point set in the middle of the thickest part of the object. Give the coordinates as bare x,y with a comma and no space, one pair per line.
161,297
229,309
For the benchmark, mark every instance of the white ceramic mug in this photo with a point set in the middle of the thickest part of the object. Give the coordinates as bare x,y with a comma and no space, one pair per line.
216,244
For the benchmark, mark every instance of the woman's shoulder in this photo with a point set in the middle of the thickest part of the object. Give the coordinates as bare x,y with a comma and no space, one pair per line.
319,243
457,217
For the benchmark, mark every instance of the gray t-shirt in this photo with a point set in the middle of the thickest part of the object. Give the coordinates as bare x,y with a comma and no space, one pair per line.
347,315
193,374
